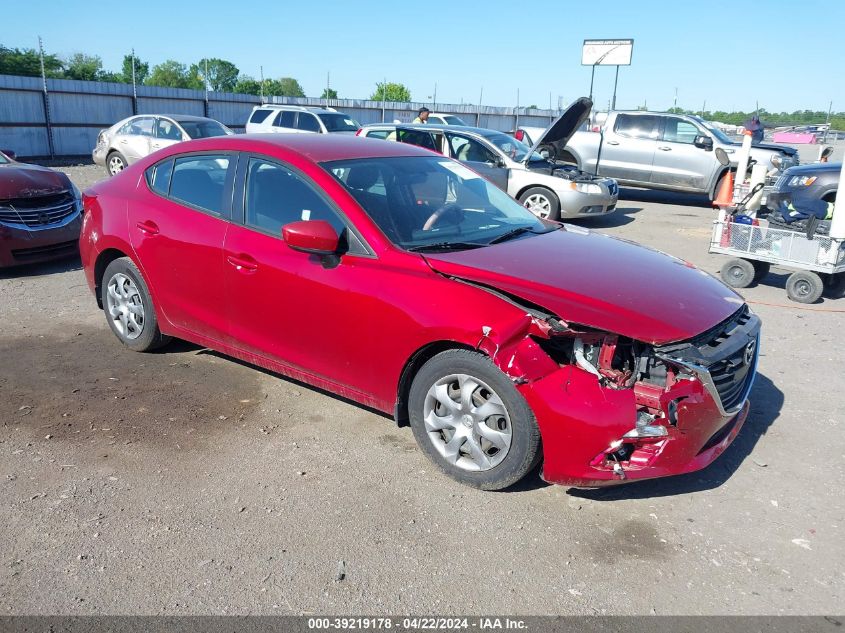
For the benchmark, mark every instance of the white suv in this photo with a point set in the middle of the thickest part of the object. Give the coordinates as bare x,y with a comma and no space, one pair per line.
292,119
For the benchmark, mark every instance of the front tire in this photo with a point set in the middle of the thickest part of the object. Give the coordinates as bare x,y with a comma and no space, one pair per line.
471,421
738,273
129,308
541,202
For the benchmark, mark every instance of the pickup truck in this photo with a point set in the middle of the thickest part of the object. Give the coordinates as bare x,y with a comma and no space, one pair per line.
659,150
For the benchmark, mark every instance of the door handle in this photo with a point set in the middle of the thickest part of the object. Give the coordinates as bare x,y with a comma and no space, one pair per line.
665,149
613,142
156,145
149,227
124,141
242,263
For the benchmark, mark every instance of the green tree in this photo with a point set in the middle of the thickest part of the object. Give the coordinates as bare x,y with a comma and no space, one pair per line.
283,87
170,74
26,61
83,67
329,93
142,69
115,78
222,75
390,91
247,85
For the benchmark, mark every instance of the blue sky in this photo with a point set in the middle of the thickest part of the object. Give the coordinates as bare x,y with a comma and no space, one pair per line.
786,55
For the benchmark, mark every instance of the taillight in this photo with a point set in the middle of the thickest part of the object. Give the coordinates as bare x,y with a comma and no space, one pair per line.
520,134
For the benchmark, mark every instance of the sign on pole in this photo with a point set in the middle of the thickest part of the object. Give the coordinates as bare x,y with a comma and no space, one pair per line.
607,52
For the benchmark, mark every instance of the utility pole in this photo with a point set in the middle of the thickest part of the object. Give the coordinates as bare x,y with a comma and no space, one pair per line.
516,126
478,113
383,98
675,103
206,86
261,85
827,121
46,100
703,108
434,103
134,88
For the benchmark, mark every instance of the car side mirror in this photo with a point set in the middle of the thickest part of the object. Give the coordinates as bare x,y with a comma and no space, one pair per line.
704,142
311,236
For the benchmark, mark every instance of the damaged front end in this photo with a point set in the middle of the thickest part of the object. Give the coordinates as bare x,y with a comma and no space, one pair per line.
612,409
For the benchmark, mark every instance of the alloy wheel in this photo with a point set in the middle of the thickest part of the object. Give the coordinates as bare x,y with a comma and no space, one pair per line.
467,422
115,165
125,306
539,205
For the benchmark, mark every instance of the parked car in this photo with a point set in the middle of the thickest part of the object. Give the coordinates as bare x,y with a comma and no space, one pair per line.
441,118
292,119
805,183
39,213
134,138
549,191
402,280
660,150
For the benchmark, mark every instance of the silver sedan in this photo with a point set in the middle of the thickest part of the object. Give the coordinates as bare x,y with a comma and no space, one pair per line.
138,136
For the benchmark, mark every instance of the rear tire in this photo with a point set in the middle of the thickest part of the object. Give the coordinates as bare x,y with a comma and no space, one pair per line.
804,287
541,202
129,308
470,420
738,273
115,163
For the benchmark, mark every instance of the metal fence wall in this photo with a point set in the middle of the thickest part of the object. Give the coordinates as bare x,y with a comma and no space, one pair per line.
65,120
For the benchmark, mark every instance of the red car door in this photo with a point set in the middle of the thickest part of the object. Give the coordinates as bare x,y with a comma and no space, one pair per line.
177,223
291,306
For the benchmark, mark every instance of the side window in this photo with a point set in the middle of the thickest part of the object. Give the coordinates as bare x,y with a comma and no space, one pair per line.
469,150
158,177
285,119
143,126
380,134
200,181
307,122
679,131
259,116
275,196
167,130
637,126
416,137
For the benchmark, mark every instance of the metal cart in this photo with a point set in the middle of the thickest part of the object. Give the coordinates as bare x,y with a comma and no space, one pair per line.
820,261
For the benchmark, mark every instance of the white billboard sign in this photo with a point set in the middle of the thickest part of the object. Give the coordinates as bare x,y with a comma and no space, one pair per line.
607,52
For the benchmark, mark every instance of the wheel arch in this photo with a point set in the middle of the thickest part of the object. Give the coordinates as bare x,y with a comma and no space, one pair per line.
536,186
414,363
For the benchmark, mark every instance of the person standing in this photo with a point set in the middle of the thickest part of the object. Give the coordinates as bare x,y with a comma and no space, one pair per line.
422,115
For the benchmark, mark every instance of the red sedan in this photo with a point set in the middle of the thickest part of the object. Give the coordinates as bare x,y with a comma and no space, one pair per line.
40,213
404,281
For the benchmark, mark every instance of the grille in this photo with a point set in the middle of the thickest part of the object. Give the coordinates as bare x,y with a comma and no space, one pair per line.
728,353
38,211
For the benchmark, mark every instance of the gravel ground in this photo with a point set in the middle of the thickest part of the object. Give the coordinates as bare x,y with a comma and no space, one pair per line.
183,482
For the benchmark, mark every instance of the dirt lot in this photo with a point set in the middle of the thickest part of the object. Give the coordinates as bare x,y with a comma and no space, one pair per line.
183,482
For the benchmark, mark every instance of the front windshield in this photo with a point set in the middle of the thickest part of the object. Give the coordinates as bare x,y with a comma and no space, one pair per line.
203,129
453,120
422,202
723,138
339,123
514,149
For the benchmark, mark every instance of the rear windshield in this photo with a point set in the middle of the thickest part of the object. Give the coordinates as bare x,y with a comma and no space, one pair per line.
338,122
203,129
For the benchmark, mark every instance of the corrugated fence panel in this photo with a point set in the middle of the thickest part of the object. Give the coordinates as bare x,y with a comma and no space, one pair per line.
79,109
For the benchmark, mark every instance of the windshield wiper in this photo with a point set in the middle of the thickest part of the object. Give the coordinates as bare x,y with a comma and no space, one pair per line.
517,231
445,246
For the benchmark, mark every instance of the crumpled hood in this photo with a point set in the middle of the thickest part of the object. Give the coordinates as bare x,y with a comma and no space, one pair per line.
21,180
599,281
559,132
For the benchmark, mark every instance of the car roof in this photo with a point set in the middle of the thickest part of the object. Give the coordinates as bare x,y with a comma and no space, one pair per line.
298,108
480,131
316,147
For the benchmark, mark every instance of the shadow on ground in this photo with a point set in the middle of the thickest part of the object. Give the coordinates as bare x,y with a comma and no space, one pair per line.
631,194
47,268
766,402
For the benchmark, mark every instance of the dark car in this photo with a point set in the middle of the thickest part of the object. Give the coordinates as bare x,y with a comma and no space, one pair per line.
804,185
39,213
399,278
